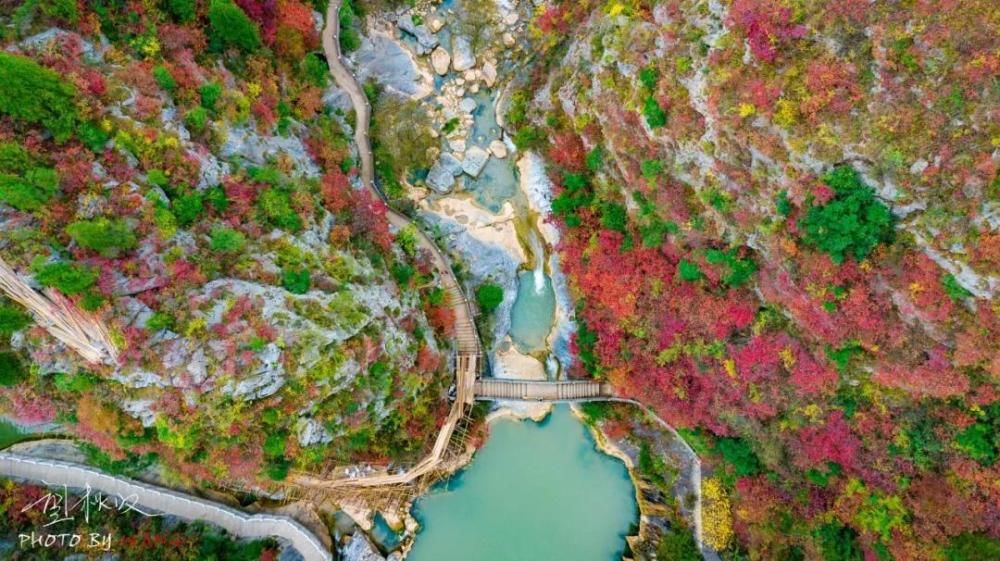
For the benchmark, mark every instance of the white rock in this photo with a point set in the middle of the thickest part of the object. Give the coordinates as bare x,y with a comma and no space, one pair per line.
475,160
440,60
489,74
498,149
313,432
508,40
462,57
435,24
467,104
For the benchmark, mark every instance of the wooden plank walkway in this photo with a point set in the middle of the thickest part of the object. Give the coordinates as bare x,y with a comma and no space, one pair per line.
489,389
149,497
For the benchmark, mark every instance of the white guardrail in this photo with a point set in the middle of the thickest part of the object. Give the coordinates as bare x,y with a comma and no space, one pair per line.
257,526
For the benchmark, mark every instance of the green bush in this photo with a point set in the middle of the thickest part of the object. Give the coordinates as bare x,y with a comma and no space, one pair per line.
315,69
11,370
295,281
276,205
226,240
614,217
216,197
164,79
210,94
972,547
678,545
649,77
954,290
740,270
196,119
403,273
852,223
489,296
67,278
655,116
188,207
92,136
160,321
12,318
65,10
109,237
689,271
838,542
34,94
229,26
529,138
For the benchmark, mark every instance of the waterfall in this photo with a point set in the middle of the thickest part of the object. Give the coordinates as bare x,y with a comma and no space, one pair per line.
539,272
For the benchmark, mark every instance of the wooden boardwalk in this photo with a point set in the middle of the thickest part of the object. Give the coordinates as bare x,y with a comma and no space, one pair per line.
529,390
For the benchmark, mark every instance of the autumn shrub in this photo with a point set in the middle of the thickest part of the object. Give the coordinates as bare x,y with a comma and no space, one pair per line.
229,26
33,94
852,223
716,515
109,237
489,296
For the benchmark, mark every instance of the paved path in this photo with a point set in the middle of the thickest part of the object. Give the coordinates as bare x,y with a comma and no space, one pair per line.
530,390
256,526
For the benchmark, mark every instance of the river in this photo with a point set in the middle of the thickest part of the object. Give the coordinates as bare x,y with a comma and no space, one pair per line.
535,491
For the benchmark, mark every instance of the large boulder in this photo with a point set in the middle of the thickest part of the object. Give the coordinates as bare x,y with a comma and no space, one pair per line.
360,549
475,160
426,41
440,60
462,57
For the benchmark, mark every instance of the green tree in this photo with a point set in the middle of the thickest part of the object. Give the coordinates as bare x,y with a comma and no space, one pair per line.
183,11
489,296
12,318
11,370
614,217
210,94
738,453
689,271
972,547
109,237
655,116
30,190
67,278
33,94
838,542
852,223
229,26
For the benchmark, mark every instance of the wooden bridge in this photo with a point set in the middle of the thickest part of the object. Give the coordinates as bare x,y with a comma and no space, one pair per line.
488,389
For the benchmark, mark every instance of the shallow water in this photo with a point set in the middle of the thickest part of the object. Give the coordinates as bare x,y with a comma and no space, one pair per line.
533,312
534,492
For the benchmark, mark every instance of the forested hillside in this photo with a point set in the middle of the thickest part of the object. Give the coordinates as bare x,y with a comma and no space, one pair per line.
171,168
780,221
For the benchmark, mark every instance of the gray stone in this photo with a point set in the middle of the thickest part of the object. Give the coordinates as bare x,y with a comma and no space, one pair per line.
462,57
360,549
475,160
440,179
426,41
451,163
313,432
